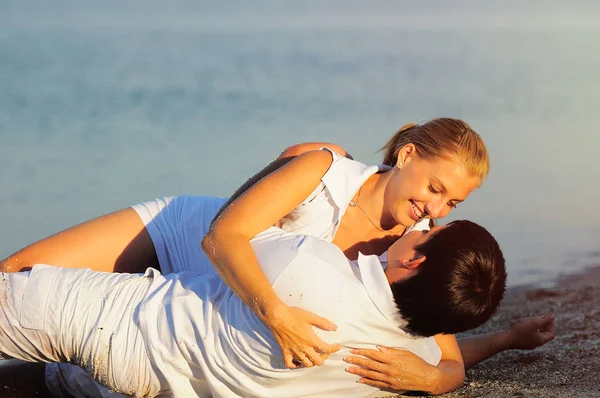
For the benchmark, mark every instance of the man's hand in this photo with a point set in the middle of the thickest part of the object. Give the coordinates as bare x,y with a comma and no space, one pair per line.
529,333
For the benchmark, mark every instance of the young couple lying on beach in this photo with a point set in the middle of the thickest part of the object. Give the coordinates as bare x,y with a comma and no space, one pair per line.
309,235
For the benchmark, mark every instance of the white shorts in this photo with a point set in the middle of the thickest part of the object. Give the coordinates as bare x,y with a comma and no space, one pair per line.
176,225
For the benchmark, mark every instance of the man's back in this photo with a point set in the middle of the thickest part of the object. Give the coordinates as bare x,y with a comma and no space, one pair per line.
210,338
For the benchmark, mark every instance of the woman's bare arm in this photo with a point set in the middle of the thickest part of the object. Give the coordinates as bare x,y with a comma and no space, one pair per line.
227,245
299,149
402,370
450,373
387,368
288,154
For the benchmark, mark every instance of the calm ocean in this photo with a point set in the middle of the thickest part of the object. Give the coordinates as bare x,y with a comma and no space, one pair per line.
105,104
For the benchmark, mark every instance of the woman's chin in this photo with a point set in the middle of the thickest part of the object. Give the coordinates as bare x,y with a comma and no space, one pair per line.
406,221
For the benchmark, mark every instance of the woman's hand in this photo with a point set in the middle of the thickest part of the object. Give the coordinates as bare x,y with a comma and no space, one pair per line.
394,369
529,333
293,330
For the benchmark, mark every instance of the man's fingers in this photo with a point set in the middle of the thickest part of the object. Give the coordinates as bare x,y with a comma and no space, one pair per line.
548,325
552,327
538,322
547,330
544,321
547,337
548,334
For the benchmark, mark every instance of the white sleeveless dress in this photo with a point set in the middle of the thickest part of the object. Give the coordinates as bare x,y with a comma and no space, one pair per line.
177,224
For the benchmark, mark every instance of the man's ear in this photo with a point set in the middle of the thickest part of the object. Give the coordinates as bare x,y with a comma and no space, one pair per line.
415,262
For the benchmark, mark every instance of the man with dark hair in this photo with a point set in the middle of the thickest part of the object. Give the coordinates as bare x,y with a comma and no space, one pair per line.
189,335
461,281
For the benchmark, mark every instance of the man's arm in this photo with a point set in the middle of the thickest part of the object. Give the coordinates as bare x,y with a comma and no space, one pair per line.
525,334
386,368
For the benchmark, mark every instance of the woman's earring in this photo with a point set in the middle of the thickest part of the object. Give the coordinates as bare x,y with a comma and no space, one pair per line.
400,165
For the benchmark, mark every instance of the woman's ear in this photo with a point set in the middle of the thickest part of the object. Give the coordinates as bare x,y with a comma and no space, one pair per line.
414,263
405,153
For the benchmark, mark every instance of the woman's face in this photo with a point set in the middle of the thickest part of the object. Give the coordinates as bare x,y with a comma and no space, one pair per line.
422,188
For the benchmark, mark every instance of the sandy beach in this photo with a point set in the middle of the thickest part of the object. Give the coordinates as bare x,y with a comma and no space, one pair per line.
568,366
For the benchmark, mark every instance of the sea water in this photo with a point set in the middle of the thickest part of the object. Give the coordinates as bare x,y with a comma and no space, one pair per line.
105,104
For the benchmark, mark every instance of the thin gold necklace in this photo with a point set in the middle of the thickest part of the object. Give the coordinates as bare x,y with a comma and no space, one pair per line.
355,204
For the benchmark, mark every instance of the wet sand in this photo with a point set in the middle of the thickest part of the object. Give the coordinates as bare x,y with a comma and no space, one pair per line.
568,366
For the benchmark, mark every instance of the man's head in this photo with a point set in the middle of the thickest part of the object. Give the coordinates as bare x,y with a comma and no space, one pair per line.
446,280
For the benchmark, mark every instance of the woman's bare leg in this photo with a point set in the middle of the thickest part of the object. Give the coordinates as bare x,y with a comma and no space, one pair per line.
115,242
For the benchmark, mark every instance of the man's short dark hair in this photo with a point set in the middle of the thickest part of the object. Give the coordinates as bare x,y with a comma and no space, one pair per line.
458,286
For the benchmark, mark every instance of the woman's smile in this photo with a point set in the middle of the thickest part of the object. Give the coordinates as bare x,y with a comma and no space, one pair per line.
416,213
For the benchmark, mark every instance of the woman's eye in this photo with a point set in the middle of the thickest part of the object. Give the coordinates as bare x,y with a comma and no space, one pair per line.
453,205
433,190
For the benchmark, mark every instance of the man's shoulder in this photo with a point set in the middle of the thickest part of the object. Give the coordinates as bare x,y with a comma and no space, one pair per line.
326,251
276,250
328,256
277,242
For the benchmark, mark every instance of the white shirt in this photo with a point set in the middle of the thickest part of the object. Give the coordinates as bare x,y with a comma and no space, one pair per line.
321,212
209,338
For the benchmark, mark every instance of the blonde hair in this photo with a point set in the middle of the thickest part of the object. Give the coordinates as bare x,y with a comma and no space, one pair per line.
442,138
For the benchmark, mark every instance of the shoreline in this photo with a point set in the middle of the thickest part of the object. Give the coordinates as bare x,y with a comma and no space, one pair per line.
568,366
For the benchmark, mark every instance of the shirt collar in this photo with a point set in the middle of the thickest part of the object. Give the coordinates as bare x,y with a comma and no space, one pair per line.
383,259
378,288
338,183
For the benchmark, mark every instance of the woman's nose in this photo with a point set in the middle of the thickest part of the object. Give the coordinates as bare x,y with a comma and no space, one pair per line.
435,208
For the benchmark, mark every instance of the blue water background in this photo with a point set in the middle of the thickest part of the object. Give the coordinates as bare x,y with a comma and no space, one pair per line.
105,104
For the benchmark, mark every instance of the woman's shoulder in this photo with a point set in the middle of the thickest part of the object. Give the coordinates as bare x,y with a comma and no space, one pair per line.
345,176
